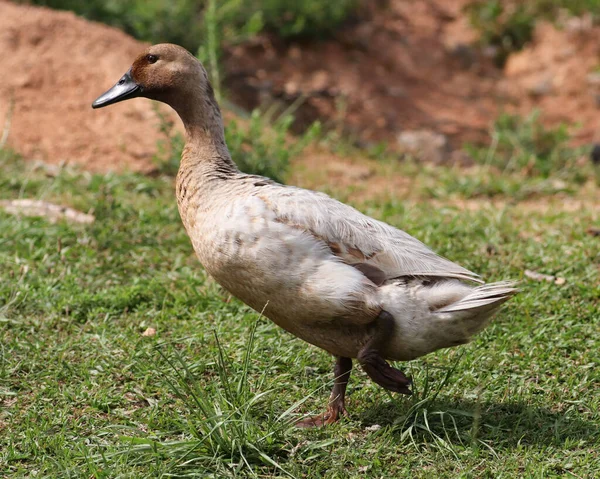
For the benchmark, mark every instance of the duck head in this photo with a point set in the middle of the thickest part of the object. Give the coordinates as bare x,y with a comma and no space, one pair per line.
163,72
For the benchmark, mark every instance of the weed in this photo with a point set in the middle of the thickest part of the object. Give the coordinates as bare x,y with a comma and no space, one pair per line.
506,30
262,145
508,26
226,424
526,146
169,146
307,18
180,20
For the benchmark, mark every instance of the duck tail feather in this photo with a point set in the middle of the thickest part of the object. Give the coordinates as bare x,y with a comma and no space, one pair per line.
483,298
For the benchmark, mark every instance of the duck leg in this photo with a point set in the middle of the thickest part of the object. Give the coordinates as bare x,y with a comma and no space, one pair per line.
377,368
336,407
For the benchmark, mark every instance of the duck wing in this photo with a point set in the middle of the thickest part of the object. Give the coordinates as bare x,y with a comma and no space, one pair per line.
377,249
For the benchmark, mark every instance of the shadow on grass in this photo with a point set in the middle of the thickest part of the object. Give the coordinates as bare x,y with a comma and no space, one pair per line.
507,425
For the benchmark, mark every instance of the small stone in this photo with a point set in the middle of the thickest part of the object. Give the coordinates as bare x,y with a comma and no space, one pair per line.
50,211
149,332
374,427
545,277
593,78
541,86
291,88
426,145
320,80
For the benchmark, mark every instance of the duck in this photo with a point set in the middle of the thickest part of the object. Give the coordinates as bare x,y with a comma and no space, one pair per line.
349,284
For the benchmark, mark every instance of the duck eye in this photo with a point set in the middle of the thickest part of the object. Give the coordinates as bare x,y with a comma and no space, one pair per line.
151,58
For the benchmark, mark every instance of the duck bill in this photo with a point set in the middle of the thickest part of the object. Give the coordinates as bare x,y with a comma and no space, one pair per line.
125,89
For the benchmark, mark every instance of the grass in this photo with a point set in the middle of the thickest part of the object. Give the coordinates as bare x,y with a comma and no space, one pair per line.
83,393
508,26
261,145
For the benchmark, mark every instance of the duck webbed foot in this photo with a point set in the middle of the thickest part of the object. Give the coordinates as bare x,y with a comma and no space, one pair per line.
336,407
377,368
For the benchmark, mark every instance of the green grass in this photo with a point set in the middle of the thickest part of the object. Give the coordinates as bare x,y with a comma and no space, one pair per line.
525,146
260,145
509,25
84,394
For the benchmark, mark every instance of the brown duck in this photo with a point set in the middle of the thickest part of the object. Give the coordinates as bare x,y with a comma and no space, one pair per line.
349,284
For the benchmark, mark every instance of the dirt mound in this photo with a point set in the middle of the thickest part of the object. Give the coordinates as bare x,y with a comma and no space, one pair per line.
413,66
54,65
404,66
558,74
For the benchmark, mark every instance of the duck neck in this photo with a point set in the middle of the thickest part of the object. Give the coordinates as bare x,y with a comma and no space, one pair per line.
205,148
205,162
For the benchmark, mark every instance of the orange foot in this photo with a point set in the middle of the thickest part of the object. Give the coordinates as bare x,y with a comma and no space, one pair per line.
333,414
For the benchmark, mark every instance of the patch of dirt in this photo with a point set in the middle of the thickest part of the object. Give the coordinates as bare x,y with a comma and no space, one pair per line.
407,66
357,179
347,178
542,206
558,73
53,66
411,65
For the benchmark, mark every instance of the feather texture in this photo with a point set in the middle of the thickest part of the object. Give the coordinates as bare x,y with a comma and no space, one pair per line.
357,238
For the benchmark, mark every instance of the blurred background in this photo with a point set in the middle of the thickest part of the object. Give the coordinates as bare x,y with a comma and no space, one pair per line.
432,79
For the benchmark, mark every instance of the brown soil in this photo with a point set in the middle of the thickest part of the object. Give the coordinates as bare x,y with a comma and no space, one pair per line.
413,65
53,66
401,69
403,65
557,73
348,178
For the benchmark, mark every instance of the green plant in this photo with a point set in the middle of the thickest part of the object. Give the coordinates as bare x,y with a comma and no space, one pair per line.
260,146
156,21
210,50
169,147
507,30
226,425
264,146
526,146
307,18
192,23
550,8
507,26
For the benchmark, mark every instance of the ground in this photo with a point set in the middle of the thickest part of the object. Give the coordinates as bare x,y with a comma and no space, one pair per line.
121,358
